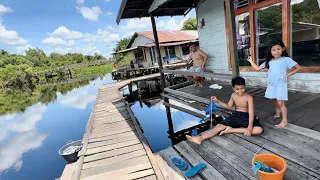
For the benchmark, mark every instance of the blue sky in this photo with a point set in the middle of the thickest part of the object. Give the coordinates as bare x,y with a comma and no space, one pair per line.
63,26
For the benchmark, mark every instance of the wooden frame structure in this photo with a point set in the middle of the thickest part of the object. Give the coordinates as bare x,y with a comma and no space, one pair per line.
286,31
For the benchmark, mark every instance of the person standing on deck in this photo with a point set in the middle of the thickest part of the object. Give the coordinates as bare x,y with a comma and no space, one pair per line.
199,59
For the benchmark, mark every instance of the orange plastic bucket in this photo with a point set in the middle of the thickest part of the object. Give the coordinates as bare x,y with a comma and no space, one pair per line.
272,161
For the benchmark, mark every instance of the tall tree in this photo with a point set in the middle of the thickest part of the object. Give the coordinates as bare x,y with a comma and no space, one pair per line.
190,24
122,58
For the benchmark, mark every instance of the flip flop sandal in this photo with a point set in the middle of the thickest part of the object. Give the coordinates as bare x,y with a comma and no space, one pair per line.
180,164
195,170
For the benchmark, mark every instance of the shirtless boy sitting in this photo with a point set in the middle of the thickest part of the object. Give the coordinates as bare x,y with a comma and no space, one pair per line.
199,59
242,120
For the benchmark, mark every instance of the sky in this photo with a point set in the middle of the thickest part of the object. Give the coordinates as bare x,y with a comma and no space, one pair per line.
70,26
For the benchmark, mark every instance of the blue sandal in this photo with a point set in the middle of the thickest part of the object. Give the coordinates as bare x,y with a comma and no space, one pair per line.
180,164
194,132
195,170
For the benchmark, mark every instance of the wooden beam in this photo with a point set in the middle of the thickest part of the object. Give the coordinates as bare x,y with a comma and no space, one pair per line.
162,78
286,24
252,30
193,113
232,38
181,85
201,74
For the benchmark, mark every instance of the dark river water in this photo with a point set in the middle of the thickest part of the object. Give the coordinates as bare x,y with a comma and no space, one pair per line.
32,132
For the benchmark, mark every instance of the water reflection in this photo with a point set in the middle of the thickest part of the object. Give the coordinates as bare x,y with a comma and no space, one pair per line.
34,124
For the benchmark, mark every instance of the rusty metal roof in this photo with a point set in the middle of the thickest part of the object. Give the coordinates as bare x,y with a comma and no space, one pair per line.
139,8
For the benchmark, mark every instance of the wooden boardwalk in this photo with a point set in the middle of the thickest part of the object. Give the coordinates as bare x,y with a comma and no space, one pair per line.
229,156
113,144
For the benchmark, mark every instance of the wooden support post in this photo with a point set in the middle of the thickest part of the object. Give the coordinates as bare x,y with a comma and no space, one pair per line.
230,21
163,82
286,24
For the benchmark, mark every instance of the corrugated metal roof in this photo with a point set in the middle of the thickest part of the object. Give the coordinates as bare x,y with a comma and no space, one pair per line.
170,36
139,8
170,44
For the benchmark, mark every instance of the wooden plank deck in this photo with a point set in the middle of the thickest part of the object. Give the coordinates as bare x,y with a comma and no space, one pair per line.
113,144
229,156
302,107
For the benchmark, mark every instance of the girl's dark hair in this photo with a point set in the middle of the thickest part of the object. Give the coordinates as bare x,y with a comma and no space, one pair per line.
269,55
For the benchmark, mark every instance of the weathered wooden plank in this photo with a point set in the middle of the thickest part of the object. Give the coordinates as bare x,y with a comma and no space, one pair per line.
207,152
114,159
294,170
236,156
293,141
202,74
303,131
116,136
152,177
116,166
106,127
113,141
167,171
115,125
194,158
108,133
110,147
145,145
114,152
119,172
184,110
168,154
300,158
303,101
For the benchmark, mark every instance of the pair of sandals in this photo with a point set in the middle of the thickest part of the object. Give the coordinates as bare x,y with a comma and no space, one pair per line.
184,166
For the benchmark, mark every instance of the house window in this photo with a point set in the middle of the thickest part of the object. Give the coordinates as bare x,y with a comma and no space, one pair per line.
243,38
170,51
185,50
268,27
305,32
138,55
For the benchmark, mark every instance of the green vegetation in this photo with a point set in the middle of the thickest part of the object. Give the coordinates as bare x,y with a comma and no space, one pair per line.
190,24
17,100
122,58
21,87
17,71
306,11
91,71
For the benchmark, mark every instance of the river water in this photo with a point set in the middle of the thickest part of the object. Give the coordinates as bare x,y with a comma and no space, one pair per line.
33,129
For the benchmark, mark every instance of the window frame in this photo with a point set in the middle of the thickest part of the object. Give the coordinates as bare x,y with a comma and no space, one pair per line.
286,32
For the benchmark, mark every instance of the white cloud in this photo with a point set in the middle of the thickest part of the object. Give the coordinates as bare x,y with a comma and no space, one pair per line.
103,32
78,99
112,38
133,25
64,33
66,50
14,147
4,9
71,43
108,14
22,49
80,1
91,14
54,41
171,24
107,0
110,27
22,122
10,37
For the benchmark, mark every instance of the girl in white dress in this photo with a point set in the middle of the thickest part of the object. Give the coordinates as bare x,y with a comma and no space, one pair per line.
278,62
